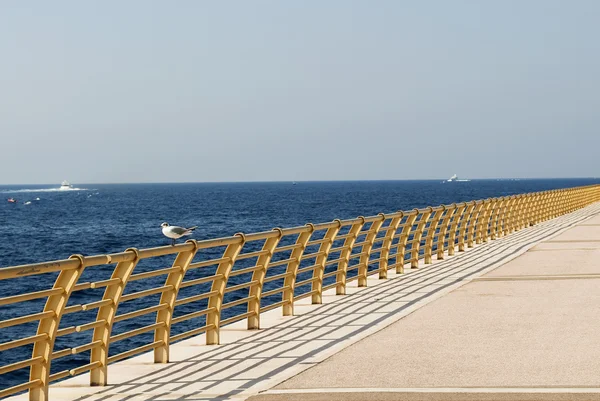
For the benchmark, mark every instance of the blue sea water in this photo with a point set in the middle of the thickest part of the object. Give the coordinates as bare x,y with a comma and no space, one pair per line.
98,219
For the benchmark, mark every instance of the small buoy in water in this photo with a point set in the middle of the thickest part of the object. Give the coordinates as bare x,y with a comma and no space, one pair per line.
28,203
37,198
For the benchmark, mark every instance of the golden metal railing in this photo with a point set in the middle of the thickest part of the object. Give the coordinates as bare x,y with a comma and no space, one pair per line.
262,271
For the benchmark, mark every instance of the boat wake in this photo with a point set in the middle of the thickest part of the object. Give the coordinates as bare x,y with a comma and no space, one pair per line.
16,191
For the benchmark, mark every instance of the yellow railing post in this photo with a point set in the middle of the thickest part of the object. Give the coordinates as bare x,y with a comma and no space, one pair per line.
106,314
464,225
509,218
48,326
456,219
514,215
387,244
483,220
488,227
547,210
292,268
164,316
342,269
564,207
321,260
522,211
538,207
441,237
366,250
495,228
557,202
403,240
475,215
258,276
569,205
431,234
416,242
215,302
529,209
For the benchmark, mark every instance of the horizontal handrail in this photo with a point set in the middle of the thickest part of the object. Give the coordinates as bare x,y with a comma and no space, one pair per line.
234,274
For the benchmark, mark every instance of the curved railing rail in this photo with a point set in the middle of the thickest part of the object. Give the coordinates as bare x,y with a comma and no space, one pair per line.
195,291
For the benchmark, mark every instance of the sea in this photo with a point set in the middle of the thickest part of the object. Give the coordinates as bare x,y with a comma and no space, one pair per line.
49,224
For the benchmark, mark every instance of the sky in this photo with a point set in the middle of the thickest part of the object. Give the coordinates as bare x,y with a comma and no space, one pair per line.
199,91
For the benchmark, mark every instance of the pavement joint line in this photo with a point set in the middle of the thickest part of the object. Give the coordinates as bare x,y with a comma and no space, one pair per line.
571,241
540,277
564,249
533,390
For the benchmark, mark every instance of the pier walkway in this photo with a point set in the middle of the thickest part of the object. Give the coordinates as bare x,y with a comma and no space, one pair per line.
513,318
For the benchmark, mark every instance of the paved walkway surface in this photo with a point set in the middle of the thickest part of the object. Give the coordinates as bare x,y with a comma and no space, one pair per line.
444,331
527,330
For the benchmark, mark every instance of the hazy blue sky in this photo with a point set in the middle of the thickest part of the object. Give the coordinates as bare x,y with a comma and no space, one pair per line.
142,91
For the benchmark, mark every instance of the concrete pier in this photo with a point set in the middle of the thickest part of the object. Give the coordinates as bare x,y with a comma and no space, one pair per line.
514,318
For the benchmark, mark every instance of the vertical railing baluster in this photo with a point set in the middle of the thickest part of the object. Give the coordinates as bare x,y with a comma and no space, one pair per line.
488,220
342,269
215,302
165,316
482,221
366,250
289,282
512,200
465,221
387,244
258,276
475,215
496,228
431,234
320,261
454,227
411,217
416,242
107,313
444,226
66,280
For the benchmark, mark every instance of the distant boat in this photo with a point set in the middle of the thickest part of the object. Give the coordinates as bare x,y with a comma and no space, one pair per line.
454,178
28,203
65,185
294,183
12,200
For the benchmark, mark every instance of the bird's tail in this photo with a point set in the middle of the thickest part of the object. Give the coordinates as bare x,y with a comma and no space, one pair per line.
192,228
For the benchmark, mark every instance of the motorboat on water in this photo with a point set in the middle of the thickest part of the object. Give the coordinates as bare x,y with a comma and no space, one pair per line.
65,185
455,178
12,200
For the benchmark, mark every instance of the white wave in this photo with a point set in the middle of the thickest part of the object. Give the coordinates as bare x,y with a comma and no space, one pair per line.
16,191
463,180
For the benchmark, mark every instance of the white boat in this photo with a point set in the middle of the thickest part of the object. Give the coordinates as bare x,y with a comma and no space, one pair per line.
65,185
453,178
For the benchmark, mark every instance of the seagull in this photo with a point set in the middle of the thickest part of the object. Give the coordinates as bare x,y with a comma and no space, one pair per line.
175,232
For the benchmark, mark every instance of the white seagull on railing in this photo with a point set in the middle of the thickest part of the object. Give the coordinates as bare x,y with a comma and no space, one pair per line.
176,232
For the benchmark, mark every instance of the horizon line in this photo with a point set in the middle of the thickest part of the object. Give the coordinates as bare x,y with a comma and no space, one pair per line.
312,181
